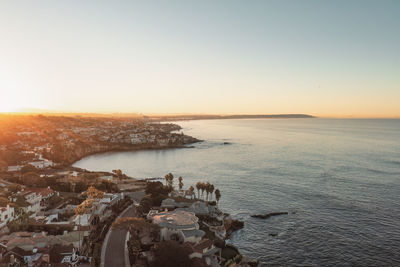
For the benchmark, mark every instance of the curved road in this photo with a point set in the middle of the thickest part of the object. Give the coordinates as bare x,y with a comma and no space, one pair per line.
115,247
113,252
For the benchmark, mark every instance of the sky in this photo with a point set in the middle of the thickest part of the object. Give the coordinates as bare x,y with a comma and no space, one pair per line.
326,58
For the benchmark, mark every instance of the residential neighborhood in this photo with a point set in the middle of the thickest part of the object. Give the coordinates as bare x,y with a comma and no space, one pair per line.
53,214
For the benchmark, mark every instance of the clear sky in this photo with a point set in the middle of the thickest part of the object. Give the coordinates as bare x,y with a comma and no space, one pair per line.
326,58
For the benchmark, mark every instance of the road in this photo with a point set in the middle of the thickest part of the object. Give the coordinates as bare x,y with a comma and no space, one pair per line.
115,247
113,252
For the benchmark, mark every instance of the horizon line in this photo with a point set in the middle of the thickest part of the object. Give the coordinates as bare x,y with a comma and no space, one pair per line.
140,114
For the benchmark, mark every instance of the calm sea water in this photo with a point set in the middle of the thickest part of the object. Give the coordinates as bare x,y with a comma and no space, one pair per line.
338,179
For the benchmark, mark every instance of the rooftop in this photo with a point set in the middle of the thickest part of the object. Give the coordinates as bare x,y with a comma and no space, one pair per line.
177,219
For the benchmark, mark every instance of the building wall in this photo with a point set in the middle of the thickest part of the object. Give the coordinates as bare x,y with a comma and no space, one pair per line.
7,214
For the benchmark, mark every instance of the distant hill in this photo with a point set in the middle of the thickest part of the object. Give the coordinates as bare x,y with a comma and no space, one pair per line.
216,117
268,116
159,117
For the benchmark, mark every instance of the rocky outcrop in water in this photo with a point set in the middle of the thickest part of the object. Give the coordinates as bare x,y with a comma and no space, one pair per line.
267,215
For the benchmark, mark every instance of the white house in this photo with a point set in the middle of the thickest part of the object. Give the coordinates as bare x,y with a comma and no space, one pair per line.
178,225
111,199
6,214
15,168
28,201
41,164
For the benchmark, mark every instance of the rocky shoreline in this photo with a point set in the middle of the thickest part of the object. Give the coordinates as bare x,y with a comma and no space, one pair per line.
84,151
109,149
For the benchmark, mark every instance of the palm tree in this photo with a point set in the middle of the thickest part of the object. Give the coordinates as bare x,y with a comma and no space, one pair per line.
191,189
198,187
180,182
211,189
202,188
166,179
118,173
169,180
217,195
207,188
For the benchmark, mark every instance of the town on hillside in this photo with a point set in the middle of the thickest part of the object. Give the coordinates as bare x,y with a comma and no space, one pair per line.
53,214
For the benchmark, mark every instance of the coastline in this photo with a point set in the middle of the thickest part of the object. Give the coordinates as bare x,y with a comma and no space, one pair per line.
152,136
233,227
129,149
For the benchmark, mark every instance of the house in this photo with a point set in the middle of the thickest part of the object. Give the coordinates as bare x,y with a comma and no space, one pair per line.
45,193
111,199
28,201
14,256
137,139
198,208
14,168
178,225
32,200
83,219
6,214
29,241
54,255
205,250
170,204
41,164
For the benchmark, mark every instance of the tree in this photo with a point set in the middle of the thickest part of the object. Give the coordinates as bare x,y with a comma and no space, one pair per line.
28,168
33,179
85,207
202,188
211,189
130,222
14,188
217,195
145,205
180,182
198,187
79,187
156,189
169,178
94,193
119,174
191,189
157,192
207,188
170,254
135,224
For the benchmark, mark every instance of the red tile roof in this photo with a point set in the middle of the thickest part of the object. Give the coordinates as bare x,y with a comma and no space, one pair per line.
44,192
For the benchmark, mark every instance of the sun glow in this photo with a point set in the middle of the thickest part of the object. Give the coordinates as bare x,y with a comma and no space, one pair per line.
7,107
10,102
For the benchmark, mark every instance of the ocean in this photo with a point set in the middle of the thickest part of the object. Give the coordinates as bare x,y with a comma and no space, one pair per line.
339,179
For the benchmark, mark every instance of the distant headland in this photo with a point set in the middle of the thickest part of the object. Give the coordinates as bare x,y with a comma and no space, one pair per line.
157,117
216,117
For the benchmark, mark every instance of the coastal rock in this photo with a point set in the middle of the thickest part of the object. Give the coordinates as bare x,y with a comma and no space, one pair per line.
267,215
233,226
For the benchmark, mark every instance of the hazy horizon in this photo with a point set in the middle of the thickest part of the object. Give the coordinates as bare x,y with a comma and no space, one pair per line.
72,113
326,59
